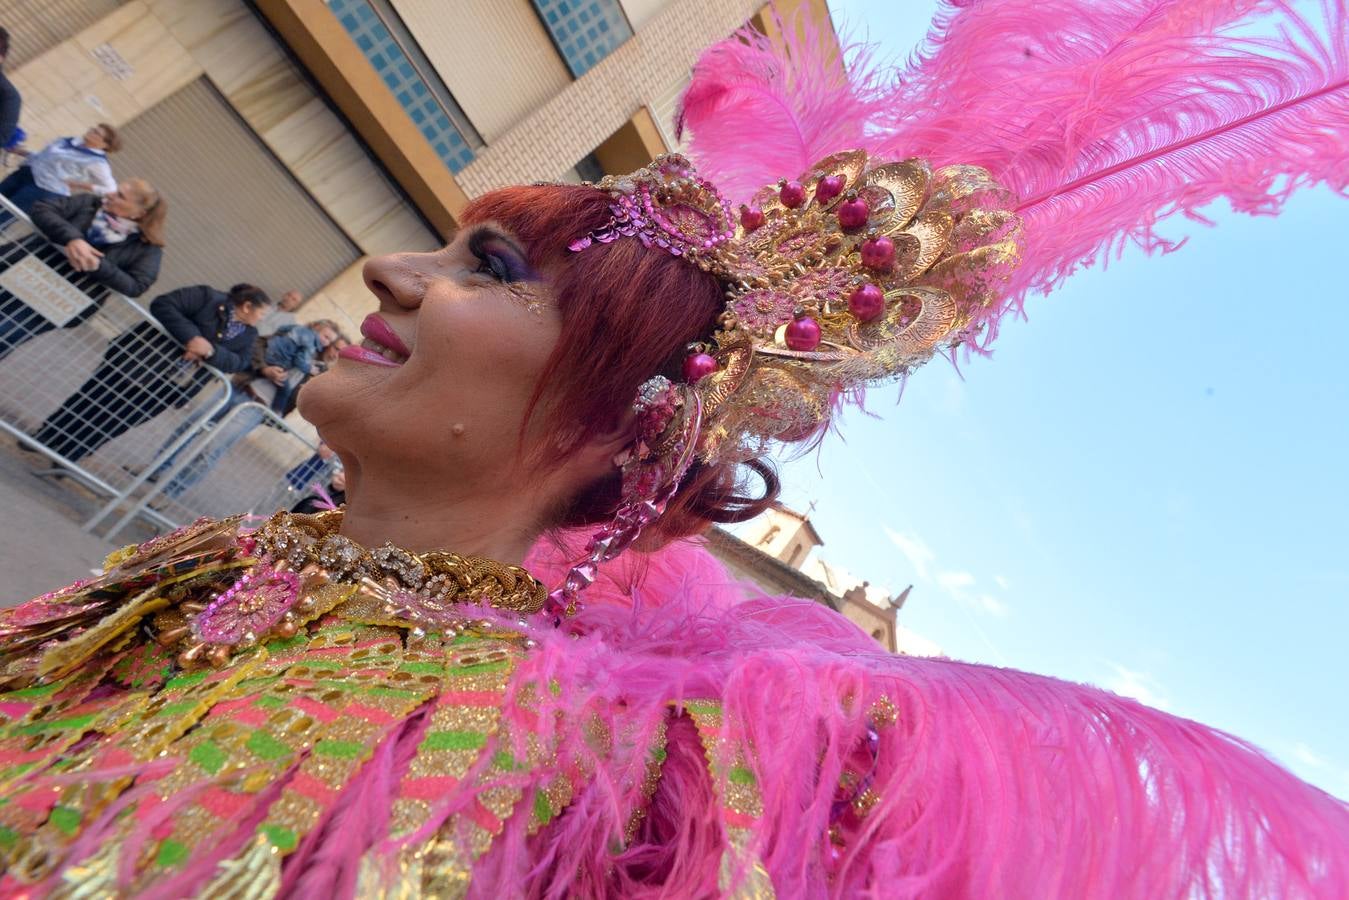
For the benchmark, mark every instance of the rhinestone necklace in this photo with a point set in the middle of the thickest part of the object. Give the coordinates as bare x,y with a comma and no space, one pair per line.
312,540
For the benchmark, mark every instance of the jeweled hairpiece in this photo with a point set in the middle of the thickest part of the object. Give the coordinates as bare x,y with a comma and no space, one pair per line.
850,274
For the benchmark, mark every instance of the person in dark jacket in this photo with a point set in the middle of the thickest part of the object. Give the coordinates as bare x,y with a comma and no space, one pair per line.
145,371
113,242
330,498
10,101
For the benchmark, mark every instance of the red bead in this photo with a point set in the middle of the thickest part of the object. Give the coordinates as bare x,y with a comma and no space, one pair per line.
750,218
830,186
698,366
878,253
852,214
792,194
803,334
867,302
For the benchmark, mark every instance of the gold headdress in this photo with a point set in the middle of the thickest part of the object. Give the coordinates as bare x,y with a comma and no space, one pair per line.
852,274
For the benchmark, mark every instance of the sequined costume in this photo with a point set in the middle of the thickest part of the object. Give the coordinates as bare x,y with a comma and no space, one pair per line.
700,744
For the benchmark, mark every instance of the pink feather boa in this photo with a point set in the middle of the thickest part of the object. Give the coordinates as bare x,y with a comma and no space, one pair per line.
992,782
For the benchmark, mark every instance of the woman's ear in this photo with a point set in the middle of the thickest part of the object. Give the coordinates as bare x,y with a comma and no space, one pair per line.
613,442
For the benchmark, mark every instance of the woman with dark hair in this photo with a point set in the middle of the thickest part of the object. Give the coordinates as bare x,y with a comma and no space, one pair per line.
145,371
389,701
113,242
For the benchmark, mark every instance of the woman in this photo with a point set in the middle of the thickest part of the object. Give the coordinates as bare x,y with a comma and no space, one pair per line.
145,371
286,712
66,166
113,242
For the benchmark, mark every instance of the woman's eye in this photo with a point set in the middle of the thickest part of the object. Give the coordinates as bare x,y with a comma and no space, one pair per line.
494,266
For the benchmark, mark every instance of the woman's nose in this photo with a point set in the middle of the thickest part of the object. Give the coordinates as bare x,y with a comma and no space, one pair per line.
396,280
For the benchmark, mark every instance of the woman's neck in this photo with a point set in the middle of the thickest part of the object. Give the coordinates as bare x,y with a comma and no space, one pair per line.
499,526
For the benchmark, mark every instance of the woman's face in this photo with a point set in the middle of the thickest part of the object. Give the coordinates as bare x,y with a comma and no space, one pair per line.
94,139
124,202
441,382
326,336
251,313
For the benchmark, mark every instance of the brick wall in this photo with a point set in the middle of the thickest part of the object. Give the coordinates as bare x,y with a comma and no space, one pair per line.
575,121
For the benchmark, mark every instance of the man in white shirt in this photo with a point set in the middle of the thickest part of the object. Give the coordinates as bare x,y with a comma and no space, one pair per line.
283,315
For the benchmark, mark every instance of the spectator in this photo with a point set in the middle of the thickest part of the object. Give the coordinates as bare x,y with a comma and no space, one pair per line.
331,498
10,101
254,394
311,472
283,315
117,241
296,350
143,371
66,166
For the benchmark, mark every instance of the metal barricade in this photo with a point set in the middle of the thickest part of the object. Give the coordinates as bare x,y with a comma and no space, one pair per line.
87,377
240,463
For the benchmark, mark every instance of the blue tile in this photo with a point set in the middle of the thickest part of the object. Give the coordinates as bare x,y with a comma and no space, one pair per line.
585,31
388,59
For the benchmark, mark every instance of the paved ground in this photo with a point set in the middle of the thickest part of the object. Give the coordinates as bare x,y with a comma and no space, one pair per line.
42,545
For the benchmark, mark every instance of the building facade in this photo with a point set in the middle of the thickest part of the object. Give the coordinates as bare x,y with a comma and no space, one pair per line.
775,551
294,138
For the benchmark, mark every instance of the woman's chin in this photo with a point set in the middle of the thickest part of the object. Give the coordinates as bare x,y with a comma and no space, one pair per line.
329,397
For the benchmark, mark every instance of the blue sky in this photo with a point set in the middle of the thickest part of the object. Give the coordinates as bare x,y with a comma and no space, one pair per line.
1144,489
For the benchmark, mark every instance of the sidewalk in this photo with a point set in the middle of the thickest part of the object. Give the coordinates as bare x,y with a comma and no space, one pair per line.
41,544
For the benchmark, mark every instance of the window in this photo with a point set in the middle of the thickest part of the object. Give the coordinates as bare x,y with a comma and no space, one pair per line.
585,31
390,48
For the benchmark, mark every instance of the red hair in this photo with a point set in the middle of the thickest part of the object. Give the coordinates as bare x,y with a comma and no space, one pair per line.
628,313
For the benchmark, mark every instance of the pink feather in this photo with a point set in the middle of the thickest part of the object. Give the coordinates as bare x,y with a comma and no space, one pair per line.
993,783
782,113
1104,118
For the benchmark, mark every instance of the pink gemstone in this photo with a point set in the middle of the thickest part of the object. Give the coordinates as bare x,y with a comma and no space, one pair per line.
803,334
852,214
878,253
698,366
867,302
792,194
750,218
830,186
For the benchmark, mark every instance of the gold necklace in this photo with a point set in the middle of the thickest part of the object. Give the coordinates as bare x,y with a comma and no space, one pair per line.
443,578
